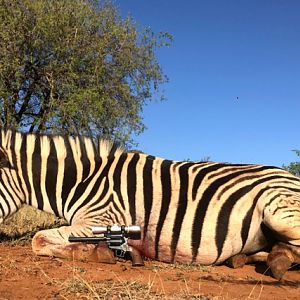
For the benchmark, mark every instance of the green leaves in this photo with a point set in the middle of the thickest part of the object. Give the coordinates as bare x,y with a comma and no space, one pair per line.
294,167
75,67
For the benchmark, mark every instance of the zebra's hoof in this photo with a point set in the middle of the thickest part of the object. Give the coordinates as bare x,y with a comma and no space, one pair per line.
279,264
236,261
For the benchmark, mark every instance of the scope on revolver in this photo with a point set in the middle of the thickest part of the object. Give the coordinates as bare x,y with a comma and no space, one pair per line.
132,230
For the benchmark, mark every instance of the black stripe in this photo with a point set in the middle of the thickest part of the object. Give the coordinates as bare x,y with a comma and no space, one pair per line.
224,216
15,165
9,182
231,168
12,188
23,155
116,209
121,212
92,208
181,208
82,186
148,190
289,216
36,172
51,177
165,201
292,210
81,189
70,173
84,159
6,202
106,204
110,216
131,185
279,208
200,176
15,185
290,176
205,200
2,209
95,147
117,178
238,181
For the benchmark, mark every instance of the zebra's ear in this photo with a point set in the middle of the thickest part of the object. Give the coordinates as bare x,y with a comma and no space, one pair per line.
4,161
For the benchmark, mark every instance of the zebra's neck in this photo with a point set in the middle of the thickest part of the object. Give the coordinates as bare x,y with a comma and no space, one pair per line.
53,171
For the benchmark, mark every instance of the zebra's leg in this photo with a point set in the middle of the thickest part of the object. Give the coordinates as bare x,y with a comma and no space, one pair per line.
282,257
239,260
54,243
282,217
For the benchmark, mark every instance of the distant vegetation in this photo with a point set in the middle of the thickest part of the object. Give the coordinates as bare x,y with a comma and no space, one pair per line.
294,167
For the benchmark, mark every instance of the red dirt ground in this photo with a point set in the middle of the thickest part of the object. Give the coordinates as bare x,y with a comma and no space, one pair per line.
26,276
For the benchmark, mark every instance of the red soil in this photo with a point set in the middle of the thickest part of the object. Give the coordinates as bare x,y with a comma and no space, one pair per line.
26,276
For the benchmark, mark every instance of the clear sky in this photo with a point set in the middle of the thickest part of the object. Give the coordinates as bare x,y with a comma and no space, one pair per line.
224,49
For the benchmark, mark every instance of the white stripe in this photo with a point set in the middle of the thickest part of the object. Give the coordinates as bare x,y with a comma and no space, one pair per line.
90,154
139,196
29,151
17,149
75,147
157,198
61,153
45,151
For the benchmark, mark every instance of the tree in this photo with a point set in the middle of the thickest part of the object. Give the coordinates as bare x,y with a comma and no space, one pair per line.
75,67
294,167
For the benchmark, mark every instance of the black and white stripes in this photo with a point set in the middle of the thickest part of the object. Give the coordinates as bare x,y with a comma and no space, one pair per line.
190,212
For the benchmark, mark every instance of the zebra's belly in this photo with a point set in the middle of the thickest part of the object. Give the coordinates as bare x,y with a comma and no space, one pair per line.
208,252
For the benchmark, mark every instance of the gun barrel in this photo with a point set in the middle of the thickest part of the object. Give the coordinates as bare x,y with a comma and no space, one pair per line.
112,241
89,240
117,229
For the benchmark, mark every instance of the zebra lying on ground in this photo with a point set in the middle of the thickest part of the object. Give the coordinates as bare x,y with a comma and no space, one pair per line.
202,212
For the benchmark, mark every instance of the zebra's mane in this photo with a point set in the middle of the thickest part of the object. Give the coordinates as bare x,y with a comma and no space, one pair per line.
107,148
12,139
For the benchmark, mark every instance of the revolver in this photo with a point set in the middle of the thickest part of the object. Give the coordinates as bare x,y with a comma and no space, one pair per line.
116,237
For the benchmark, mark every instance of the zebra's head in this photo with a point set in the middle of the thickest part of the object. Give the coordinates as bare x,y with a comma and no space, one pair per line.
10,194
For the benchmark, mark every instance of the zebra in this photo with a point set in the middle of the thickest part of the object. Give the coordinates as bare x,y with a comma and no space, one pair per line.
190,212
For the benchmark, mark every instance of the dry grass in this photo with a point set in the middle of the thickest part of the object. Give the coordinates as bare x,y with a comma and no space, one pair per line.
120,289
21,227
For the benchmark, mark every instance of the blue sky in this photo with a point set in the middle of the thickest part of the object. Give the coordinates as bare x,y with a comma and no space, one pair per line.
223,50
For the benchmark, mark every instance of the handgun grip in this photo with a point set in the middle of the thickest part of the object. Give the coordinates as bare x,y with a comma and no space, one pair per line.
136,258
